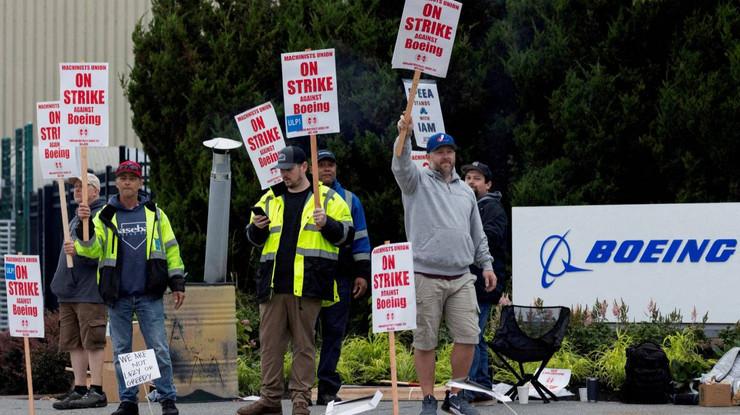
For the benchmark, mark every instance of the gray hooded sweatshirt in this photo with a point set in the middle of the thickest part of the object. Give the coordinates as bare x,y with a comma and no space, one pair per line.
441,219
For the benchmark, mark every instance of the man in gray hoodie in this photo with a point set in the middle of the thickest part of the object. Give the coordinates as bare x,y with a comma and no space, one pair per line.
82,314
446,234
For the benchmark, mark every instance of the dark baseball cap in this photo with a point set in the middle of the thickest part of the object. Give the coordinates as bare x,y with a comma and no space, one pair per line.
325,154
290,156
480,167
440,139
129,166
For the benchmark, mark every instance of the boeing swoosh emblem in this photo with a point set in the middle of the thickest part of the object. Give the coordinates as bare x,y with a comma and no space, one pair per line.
560,244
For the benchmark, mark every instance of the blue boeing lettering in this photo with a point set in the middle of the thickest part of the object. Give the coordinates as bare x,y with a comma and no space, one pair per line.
678,250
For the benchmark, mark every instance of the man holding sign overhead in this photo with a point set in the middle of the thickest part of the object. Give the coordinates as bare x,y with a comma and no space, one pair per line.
444,227
300,247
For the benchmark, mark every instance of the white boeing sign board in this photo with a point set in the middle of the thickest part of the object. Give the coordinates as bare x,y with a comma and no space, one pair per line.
679,255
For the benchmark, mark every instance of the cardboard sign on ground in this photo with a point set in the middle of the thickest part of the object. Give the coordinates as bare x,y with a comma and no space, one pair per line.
393,288
83,103
139,367
57,161
25,296
310,93
263,139
427,112
426,36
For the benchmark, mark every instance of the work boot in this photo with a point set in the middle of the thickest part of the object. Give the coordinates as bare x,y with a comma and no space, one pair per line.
169,408
92,399
66,403
127,408
429,405
259,407
301,408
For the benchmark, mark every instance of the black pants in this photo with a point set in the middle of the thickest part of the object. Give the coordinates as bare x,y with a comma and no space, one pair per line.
333,324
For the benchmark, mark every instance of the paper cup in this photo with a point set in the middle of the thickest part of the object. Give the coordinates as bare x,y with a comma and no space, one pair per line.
523,394
583,394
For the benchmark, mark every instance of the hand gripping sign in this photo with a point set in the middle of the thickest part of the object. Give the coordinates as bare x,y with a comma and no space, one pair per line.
427,113
426,35
260,130
394,298
57,161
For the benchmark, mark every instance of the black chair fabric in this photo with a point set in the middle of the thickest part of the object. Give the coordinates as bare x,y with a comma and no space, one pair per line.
530,334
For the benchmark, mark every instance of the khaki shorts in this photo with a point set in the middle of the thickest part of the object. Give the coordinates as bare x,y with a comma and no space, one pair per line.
81,326
456,300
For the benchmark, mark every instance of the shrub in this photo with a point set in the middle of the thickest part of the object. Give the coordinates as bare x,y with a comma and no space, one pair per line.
249,375
609,361
686,363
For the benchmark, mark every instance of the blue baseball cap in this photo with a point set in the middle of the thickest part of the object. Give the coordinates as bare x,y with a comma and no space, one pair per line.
440,139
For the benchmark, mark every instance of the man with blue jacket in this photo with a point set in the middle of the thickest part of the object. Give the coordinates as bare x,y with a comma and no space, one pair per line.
353,275
138,259
443,224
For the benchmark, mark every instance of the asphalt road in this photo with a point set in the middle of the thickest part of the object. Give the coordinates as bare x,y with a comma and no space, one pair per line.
14,405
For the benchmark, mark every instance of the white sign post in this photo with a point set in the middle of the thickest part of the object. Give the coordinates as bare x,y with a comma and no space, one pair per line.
25,307
263,139
678,256
394,298
57,161
310,98
427,112
83,98
424,44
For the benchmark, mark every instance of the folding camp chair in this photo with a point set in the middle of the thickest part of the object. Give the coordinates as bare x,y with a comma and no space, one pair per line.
529,334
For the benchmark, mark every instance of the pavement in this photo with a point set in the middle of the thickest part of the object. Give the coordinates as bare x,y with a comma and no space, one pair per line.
18,405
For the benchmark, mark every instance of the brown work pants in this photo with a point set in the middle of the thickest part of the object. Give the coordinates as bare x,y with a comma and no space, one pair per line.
288,318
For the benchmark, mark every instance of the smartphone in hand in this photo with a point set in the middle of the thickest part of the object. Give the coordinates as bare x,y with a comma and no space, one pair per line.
258,211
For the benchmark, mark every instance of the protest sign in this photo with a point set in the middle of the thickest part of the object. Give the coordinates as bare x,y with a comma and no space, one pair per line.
393,292
24,295
426,35
57,160
310,93
263,139
139,367
83,103
354,406
420,158
427,112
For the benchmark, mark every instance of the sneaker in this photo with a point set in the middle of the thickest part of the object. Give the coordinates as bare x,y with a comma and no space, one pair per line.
259,407
325,398
455,404
67,401
127,408
92,399
169,408
429,405
301,408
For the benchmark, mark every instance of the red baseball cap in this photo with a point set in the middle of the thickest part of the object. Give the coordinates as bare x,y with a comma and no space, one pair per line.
129,166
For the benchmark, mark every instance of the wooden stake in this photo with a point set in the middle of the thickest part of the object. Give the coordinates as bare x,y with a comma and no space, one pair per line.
407,113
65,217
394,376
315,172
83,178
29,376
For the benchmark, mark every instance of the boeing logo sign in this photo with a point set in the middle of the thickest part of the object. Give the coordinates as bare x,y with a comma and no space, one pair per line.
556,256
556,248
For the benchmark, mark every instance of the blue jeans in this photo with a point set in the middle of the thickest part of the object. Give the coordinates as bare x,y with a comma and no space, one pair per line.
480,372
150,314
